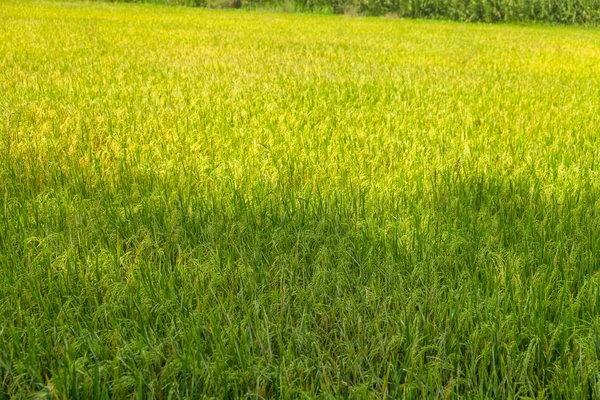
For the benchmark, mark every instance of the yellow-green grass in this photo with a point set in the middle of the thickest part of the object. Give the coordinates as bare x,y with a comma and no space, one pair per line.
220,203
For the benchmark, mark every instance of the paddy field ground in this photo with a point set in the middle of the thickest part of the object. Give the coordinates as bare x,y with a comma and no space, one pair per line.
201,203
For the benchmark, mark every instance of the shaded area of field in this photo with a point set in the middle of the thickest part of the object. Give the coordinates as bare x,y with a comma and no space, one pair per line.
210,203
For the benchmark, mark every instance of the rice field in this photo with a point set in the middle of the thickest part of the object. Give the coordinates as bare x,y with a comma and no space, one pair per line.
233,204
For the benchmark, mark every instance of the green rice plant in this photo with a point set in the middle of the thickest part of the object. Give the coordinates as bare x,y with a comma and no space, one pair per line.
216,203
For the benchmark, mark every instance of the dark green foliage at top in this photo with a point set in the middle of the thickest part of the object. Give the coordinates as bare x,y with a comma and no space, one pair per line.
552,11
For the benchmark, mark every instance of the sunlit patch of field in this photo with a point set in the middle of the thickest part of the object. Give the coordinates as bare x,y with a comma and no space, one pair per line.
223,203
